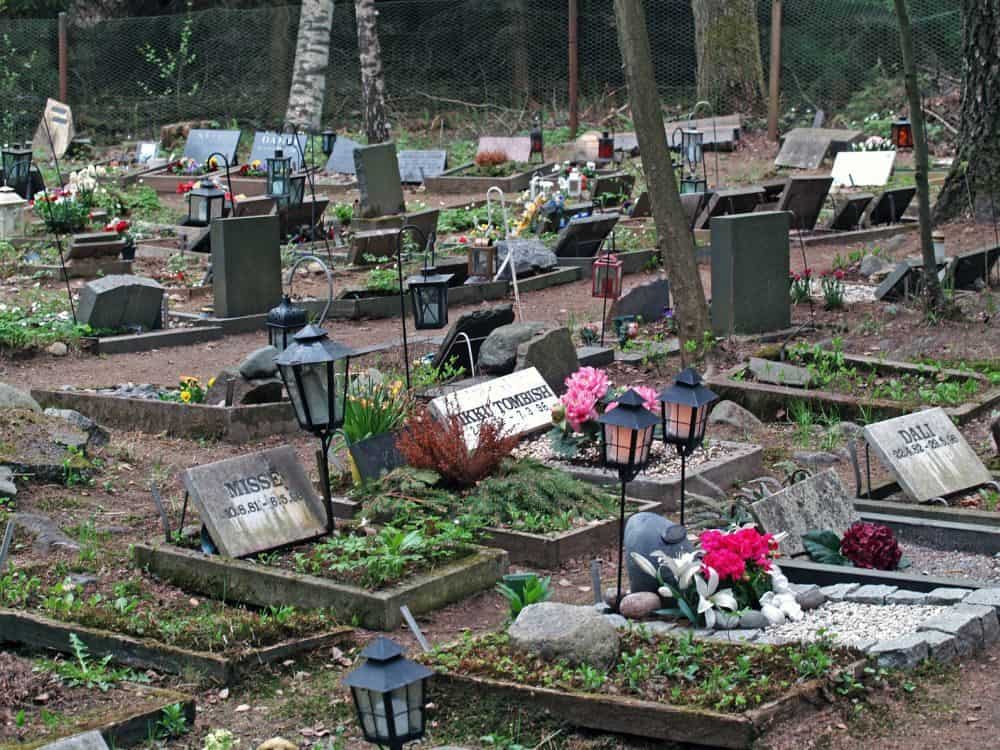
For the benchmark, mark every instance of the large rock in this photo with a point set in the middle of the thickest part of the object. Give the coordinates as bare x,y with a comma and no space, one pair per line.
260,363
640,604
732,414
45,448
530,257
245,392
648,301
553,354
579,635
121,302
498,354
13,398
7,486
97,435
871,265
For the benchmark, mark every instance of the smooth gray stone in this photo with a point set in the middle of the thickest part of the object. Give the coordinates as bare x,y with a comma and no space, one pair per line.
530,257
15,398
945,595
839,591
753,620
905,652
552,353
562,631
498,355
808,595
871,594
815,459
906,597
732,414
260,363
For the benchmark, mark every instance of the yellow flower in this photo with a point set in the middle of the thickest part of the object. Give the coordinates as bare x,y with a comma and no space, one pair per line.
211,382
255,164
188,379
185,396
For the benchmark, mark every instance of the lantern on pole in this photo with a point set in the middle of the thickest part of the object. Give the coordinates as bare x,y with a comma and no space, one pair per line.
279,168
205,203
287,319
902,134
537,144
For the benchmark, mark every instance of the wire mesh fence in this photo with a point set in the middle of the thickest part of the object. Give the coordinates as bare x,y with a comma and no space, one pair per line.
127,76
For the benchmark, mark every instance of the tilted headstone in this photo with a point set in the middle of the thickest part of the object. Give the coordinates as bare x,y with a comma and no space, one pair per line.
805,148
973,265
201,144
693,204
92,740
890,206
246,265
819,503
531,256
341,159
517,148
895,285
862,168
477,325
552,353
720,132
927,454
266,142
804,198
376,455
850,212
522,402
95,244
616,184
258,205
582,237
750,269
55,131
642,207
648,300
121,302
414,166
730,203
368,247
378,180
779,373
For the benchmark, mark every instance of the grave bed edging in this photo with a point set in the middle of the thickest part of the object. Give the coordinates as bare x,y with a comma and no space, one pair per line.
453,181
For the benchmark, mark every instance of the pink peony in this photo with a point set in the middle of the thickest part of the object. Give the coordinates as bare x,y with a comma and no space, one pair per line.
648,397
590,380
581,407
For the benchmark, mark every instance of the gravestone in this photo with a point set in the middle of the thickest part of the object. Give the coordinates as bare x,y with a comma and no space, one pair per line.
626,142
376,455
750,270
498,354
862,168
92,740
378,180
927,454
730,203
517,148
805,148
201,144
266,142
521,401
619,183
773,190
259,205
647,300
477,325
121,302
95,245
804,197
582,237
414,166
146,151
720,133
341,159
895,285
530,257
552,353
780,373
246,265
973,265
367,247
643,207
819,503
256,502
55,130
849,214
890,206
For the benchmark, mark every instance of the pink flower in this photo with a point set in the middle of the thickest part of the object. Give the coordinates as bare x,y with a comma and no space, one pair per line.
580,408
729,565
590,380
648,398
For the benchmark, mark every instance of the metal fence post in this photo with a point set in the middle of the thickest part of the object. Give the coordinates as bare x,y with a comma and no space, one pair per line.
574,69
63,59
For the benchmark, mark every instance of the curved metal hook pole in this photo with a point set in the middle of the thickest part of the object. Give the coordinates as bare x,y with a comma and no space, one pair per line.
310,178
229,180
329,281
509,260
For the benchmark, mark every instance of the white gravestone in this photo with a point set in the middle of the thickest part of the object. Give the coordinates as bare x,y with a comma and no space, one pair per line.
927,454
522,402
862,168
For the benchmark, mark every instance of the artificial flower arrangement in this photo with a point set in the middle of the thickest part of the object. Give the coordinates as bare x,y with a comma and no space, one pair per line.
65,210
188,166
730,572
190,391
864,545
874,143
123,228
253,169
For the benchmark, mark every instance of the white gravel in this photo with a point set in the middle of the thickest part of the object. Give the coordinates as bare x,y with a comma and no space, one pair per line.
852,624
663,463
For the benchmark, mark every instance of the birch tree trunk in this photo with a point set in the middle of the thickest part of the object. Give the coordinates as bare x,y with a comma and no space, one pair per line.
372,77
312,58
675,239
727,43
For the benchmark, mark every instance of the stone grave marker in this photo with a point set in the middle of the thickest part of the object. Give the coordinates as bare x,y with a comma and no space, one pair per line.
517,148
627,142
376,243
642,207
56,124
552,353
521,401
414,166
693,204
927,454
730,202
720,132
258,205
850,213
647,300
378,180
619,183
341,159
819,503
256,502
975,264
477,326
246,265
121,302
862,168
582,237
95,244
146,151
805,148
750,269
531,256
780,373
266,142
92,740
773,190
894,286
890,206
203,143
376,455
804,197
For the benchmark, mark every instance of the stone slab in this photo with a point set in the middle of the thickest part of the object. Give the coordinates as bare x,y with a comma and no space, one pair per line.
850,212
984,598
780,373
728,203
517,148
521,401
341,159
948,596
804,197
377,243
839,591
648,300
905,652
256,502
595,356
246,265
121,302
415,165
552,353
92,740
896,284
862,168
902,596
871,593
974,265
927,454
376,455
202,143
805,148
379,186
890,206
814,504
583,237
942,647
266,142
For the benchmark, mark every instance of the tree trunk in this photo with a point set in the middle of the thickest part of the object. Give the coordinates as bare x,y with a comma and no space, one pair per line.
675,239
372,77
312,57
932,288
978,154
727,44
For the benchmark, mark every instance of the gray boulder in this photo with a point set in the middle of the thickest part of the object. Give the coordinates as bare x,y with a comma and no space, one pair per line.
7,486
260,364
121,301
245,392
554,631
732,414
553,354
97,435
13,398
872,264
647,300
530,257
498,354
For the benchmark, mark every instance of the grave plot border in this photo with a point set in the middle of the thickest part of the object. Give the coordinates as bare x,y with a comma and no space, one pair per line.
453,181
387,306
936,513
940,534
765,400
165,183
127,727
78,268
804,570
263,586
561,275
37,631
234,424
633,261
641,718
130,343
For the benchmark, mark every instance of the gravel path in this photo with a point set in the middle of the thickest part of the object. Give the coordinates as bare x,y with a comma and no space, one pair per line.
934,562
852,624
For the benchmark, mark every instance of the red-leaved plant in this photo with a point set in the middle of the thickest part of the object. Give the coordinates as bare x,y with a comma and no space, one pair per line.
871,545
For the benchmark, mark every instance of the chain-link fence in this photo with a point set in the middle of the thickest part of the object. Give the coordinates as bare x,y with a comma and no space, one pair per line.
127,76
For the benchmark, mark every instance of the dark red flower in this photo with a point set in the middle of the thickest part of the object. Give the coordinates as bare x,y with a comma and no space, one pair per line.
871,545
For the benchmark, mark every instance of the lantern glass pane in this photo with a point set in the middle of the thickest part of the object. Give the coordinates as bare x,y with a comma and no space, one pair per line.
310,395
199,209
618,446
415,700
366,711
480,262
381,725
215,207
430,305
400,711
679,422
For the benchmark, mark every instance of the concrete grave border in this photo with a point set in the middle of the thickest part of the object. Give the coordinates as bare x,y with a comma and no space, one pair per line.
454,181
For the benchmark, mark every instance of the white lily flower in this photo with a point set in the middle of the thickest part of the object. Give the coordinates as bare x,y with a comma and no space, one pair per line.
645,564
683,568
709,598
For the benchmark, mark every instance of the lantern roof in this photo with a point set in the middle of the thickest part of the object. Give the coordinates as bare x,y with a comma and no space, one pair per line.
385,668
311,346
630,412
687,390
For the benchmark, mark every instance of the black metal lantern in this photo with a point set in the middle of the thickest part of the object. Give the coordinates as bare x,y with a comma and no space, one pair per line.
482,260
17,168
297,189
388,691
684,411
606,147
692,147
693,184
205,203
283,322
902,134
428,290
537,144
329,140
279,169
